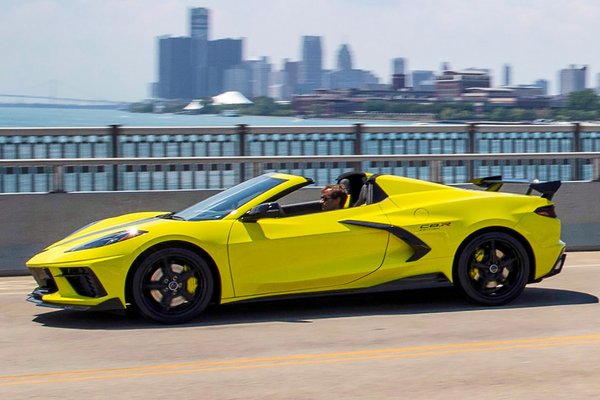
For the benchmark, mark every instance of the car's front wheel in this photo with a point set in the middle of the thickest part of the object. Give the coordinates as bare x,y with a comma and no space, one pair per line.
172,286
492,269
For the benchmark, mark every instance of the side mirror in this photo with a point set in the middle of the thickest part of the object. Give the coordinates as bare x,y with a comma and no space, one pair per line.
265,210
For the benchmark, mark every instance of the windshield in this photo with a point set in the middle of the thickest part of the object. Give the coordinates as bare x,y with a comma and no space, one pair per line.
220,205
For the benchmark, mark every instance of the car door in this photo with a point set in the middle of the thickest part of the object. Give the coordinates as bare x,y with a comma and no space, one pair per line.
306,252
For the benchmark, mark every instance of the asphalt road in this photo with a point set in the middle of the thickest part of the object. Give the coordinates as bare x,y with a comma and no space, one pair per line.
424,344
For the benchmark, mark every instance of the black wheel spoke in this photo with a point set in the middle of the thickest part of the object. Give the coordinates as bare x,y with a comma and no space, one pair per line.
184,276
166,300
507,263
481,266
154,285
493,254
166,269
187,295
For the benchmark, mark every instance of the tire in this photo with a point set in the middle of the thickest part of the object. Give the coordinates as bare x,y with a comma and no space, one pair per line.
172,286
492,269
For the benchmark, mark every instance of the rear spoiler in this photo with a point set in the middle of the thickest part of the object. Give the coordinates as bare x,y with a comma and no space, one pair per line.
494,183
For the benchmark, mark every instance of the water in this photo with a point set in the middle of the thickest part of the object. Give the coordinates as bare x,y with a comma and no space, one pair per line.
389,141
73,117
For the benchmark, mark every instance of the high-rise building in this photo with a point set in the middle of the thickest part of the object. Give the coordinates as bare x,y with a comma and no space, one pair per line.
572,79
506,75
311,72
345,77
419,76
399,73
543,84
199,23
344,59
260,71
223,54
192,67
175,80
290,79
238,79
399,66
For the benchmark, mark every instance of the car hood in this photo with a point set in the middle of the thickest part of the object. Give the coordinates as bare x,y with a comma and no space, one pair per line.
110,225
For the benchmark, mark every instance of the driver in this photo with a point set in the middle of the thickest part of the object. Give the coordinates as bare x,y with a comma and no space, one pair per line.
333,197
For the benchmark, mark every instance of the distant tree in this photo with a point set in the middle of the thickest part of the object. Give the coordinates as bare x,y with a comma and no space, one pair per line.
586,100
543,113
263,106
519,114
499,114
375,105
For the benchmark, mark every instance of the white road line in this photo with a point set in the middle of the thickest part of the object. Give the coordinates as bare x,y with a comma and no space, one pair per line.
579,265
15,293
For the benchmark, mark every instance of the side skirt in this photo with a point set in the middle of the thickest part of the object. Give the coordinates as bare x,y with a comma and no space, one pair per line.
426,281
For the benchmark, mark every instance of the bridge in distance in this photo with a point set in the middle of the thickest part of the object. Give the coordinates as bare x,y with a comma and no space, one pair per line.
25,99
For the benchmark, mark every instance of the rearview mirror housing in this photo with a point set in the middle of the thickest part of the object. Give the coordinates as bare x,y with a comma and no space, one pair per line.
265,210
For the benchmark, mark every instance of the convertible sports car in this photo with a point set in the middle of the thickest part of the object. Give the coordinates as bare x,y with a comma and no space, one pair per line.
250,242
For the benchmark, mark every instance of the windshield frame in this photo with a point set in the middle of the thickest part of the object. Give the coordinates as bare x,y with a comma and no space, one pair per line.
228,201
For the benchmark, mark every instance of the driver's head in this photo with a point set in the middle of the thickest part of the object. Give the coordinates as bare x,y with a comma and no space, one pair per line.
333,197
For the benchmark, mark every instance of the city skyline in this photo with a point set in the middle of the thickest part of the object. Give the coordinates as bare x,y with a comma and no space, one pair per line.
108,50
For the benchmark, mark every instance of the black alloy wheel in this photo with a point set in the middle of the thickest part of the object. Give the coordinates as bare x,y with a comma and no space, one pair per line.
172,286
492,269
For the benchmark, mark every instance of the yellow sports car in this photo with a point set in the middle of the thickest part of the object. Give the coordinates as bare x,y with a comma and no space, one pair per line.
251,242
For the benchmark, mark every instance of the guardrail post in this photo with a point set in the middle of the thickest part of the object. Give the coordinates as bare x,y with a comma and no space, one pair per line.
577,148
596,169
358,131
58,179
256,168
471,144
241,133
435,174
114,134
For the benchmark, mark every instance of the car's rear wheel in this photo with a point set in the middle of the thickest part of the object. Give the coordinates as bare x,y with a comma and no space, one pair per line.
492,269
172,286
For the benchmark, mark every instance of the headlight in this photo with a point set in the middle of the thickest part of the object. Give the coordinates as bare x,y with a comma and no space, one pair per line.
110,239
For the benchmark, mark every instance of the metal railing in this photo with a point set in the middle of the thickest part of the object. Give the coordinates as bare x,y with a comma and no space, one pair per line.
172,173
157,158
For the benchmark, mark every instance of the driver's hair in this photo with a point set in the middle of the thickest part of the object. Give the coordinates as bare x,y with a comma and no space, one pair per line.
337,191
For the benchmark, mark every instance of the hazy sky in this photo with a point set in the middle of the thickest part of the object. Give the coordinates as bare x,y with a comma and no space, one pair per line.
106,49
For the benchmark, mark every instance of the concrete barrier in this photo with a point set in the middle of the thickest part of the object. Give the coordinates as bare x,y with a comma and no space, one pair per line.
30,222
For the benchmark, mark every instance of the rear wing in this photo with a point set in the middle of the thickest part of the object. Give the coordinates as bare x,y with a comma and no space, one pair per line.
494,184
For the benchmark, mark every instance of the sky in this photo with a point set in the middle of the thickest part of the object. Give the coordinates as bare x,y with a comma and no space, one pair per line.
107,49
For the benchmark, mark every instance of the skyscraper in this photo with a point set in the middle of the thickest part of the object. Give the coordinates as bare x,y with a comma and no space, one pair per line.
572,79
199,23
311,73
260,71
291,75
399,73
344,59
223,54
175,79
399,66
543,84
506,75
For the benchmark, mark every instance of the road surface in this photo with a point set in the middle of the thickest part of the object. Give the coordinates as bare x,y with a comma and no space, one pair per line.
424,344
